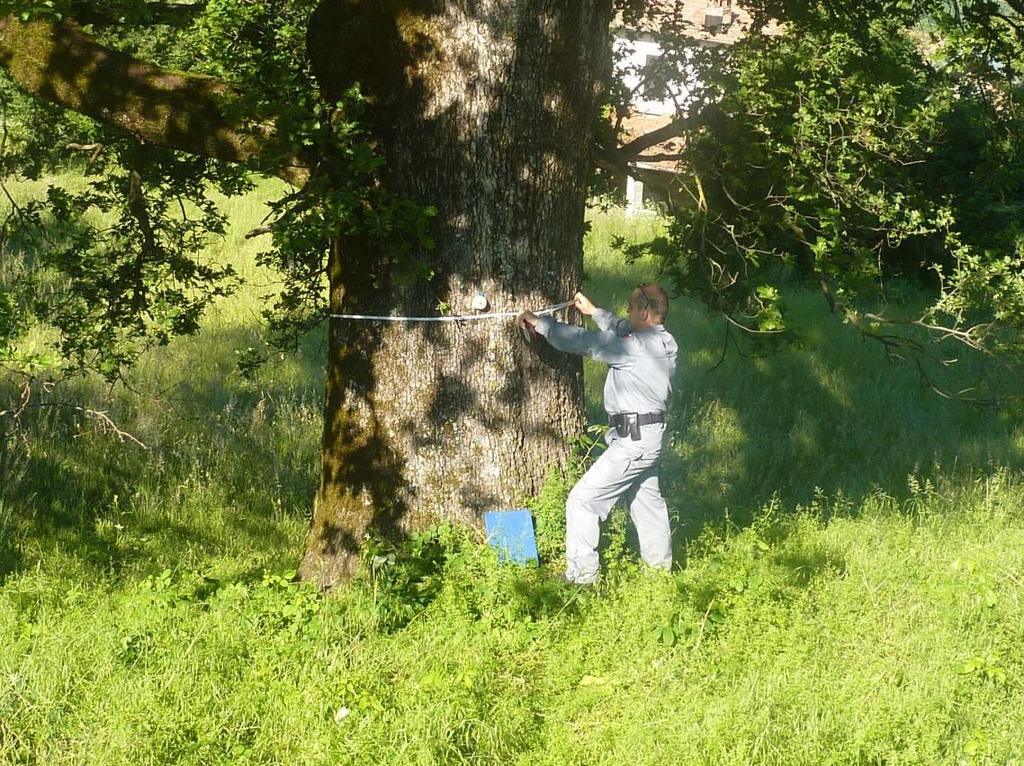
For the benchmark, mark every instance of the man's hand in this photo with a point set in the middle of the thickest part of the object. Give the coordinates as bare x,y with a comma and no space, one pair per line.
584,305
526,320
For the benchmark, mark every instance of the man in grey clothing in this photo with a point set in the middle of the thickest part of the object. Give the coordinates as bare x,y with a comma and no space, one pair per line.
641,355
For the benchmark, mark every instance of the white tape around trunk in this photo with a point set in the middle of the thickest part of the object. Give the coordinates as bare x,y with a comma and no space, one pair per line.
463,318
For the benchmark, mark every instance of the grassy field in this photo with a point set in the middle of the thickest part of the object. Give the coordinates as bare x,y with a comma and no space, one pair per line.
849,589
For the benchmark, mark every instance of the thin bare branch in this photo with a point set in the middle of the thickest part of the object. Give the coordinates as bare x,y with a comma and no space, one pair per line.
96,149
748,329
658,157
642,143
105,424
259,231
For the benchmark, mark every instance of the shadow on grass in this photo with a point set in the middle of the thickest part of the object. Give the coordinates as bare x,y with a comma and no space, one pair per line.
230,470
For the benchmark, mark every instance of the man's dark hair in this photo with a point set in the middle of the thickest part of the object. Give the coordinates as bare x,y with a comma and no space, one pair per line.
652,298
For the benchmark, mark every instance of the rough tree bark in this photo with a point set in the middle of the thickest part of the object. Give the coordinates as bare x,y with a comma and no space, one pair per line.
484,110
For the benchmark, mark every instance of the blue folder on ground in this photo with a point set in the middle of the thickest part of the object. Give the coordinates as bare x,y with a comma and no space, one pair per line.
511,534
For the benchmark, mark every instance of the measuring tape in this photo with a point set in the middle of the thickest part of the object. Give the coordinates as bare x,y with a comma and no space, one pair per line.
463,318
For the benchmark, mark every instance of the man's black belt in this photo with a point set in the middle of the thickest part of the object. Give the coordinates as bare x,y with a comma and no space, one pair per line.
628,423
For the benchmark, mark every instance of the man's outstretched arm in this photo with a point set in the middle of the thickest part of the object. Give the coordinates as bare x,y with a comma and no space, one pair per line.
605,345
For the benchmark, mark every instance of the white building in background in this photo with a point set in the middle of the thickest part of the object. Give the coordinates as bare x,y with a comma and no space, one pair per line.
718,22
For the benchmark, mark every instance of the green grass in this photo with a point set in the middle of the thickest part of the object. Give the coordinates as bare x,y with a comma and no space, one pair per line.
849,589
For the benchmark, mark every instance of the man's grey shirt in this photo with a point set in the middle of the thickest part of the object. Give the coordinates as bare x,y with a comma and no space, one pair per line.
642,364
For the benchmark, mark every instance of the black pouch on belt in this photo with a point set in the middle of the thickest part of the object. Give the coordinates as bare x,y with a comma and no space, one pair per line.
627,424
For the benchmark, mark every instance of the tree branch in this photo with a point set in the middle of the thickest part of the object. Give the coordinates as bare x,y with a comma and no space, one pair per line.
642,143
105,423
95,151
57,62
659,157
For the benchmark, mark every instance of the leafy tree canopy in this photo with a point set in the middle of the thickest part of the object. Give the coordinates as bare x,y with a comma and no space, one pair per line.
852,142
111,290
856,143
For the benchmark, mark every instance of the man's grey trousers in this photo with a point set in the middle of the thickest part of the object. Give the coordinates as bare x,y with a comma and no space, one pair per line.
627,469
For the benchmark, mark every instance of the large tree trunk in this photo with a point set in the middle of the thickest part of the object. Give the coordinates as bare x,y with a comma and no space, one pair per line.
484,110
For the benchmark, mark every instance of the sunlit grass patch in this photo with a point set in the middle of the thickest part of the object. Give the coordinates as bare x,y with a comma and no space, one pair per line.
847,589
